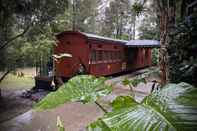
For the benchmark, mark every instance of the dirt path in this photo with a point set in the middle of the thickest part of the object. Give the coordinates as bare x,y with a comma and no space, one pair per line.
75,116
12,105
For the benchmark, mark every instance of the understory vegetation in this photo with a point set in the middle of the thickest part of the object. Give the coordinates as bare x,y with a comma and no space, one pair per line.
182,52
82,88
172,109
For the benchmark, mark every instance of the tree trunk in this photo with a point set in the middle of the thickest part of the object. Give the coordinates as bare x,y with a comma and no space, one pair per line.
134,22
163,54
2,77
166,10
74,15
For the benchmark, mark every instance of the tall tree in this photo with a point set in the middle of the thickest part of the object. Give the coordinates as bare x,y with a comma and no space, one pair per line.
116,16
136,10
19,18
23,14
166,13
149,27
84,14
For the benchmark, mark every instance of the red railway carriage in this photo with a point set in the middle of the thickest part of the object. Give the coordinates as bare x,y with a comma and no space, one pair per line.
98,55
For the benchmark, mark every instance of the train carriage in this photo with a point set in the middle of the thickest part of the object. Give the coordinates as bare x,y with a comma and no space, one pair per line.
99,56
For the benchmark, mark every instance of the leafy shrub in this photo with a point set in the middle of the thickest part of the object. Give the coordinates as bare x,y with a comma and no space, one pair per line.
155,56
83,88
173,108
133,83
182,52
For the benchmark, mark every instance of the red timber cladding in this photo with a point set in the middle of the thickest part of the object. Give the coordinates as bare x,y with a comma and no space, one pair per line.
144,57
148,57
138,58
107,65
75,45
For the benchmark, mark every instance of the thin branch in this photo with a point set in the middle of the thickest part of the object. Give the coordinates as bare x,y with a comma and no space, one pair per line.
101,107
13,38
4,75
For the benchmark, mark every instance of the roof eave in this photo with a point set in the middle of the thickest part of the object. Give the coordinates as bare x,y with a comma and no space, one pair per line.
144,46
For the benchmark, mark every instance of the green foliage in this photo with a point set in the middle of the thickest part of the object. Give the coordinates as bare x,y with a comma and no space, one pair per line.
155,56
173,108
83,88
60,125
123,102
84,13
133,82
182,52
18,15
149,28
126,81
116,16
137,8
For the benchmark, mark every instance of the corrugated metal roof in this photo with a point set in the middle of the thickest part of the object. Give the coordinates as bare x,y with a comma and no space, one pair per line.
97,37
131,43
143,43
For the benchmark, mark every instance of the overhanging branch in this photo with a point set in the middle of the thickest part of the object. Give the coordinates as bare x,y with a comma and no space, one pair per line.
13,38
4,75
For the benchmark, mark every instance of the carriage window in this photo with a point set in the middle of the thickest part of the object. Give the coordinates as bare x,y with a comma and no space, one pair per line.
122,56
99,55
93,56
96,55
105,55
119,55
111,55
116,55
108,55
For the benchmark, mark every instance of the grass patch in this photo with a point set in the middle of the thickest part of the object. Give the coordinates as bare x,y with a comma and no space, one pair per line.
13,82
